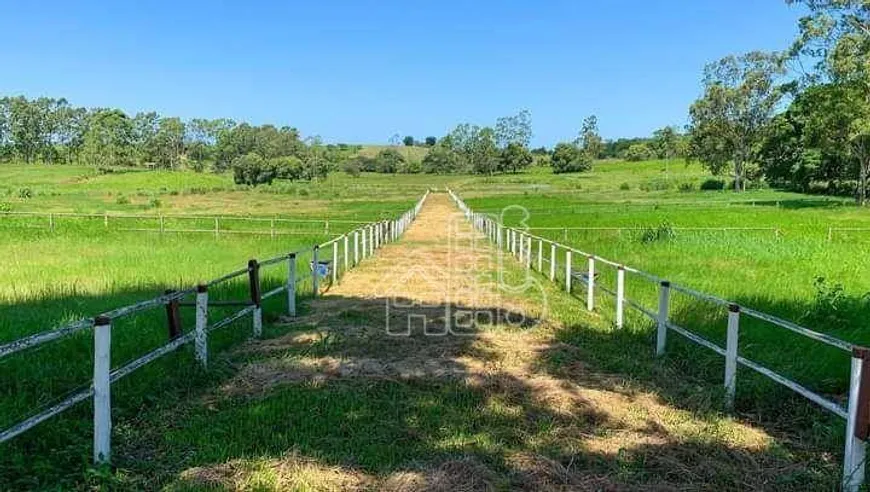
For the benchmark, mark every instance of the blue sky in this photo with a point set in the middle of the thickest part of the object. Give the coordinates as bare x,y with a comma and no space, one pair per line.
361,71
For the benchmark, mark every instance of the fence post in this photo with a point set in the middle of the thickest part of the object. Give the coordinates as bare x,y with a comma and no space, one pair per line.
364,234
356,248
552,262
254,280
102,389
51,222
272,228
568,271
216,228
540,255
106,221
201,338
498,240
173,317
856,422
664,307
162,225
314,280
371,240
346,254
731,354
335,262
620,296
590,284
291,284
528,252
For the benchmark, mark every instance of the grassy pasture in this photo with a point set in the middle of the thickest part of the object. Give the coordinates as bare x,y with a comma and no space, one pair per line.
773,270
80,269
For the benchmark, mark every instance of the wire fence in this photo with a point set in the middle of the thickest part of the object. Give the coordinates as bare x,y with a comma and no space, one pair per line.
856,412
328,262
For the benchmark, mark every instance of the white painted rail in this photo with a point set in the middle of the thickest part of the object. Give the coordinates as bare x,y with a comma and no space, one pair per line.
856,413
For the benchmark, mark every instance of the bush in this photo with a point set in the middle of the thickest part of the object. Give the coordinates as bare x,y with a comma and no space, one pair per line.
637,152
664,232
656,185
625,187
251,169
352,168
441,160
713,185
154,202
289,167
5,207
25,193
389,161
568,158
686,187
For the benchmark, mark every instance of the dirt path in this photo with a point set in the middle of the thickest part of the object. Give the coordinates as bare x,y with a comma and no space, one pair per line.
429,311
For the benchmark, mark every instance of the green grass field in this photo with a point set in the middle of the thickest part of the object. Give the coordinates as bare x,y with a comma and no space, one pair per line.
81,269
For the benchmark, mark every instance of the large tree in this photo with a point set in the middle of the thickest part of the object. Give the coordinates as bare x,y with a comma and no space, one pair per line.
740,97
589,140
836,34
516,129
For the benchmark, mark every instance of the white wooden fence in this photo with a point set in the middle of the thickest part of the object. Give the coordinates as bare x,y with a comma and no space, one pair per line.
217,224
346,251
857,411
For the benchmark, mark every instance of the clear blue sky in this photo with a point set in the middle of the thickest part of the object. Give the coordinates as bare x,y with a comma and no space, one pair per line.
360,71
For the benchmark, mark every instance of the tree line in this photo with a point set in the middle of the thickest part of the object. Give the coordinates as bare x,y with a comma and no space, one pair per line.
808,132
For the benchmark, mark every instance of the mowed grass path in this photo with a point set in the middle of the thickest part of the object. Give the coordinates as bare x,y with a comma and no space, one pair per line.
510,397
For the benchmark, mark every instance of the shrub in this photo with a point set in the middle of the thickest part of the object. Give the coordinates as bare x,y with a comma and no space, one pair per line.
686,186
122,200
352,168
289,167
656,185
713,184
251,169
441,160
25,193
625,187
664,232
568,158
154,202
389,161
638,152
5,207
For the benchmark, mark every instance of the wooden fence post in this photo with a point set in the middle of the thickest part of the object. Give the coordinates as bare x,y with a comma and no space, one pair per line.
272,228
552,262
664,307
102,390
105,221
356,248
620,296
217,230
314,280
173,317
162,224
731,354
254,279
51,222
201,337
568,271
291,284
590,284
856,422
540,255
528,252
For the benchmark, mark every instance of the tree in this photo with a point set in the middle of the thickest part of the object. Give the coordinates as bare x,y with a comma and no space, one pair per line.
589,140
431,141
169,142
109,139
408,141
389,161
516,129
251,169
665,142
568,158
836,33
638,152
288,167
515,157
728,121
441,159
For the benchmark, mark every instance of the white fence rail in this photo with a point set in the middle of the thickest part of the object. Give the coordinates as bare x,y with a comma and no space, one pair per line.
519,242
373,236
158,223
